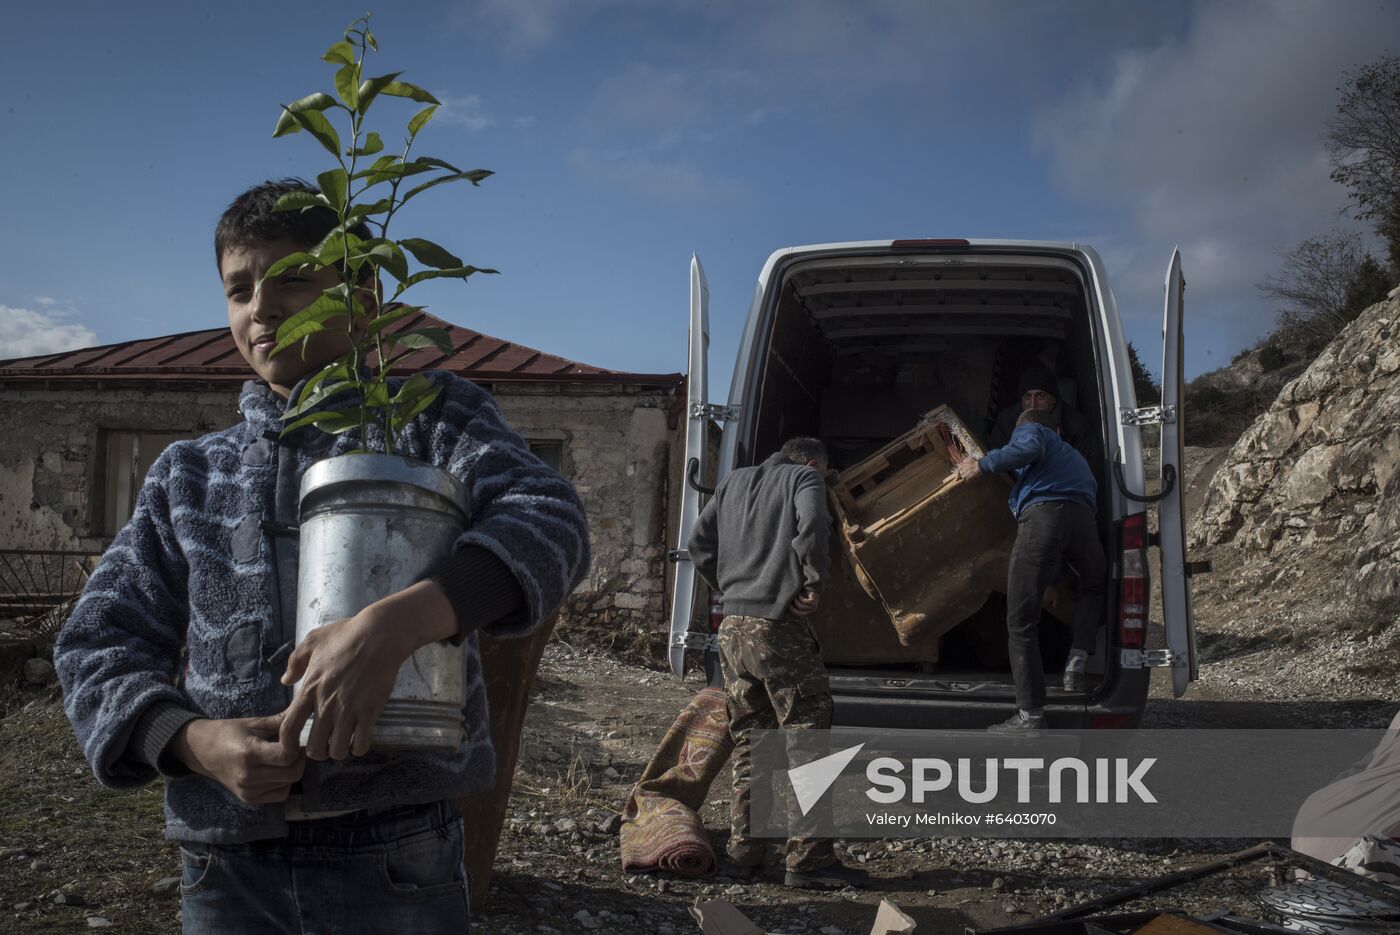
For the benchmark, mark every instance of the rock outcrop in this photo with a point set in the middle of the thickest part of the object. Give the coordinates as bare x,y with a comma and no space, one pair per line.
1302,523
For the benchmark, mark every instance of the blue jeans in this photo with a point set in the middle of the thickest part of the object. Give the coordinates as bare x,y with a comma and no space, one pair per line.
385,870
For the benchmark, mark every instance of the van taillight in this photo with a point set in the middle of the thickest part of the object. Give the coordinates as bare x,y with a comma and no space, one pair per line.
716,611
931,242
1132,606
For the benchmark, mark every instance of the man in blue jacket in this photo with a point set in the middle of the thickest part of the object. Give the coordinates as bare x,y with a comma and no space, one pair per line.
1053,502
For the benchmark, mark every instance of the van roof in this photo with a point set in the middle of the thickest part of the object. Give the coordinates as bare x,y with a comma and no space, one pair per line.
858,246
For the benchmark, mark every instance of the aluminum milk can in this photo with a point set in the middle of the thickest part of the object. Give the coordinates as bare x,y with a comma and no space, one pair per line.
372,525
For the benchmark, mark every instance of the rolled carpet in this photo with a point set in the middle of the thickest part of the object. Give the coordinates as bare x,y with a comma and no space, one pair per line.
661,825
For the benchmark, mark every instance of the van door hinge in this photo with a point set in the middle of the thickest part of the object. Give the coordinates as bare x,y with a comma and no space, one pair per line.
1151,659
1150,415
709,642
714,411
1198,568
677,555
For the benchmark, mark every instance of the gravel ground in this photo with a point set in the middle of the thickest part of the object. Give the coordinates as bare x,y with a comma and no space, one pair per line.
71,852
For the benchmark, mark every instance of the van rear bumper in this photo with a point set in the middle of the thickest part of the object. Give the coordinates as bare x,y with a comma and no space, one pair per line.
902,709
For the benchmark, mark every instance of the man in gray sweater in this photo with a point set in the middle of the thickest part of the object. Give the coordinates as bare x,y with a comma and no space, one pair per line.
762,542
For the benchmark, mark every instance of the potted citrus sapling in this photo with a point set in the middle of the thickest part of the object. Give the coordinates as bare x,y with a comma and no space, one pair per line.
372,521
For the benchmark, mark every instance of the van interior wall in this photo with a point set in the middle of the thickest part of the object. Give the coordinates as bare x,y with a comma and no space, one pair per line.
856,402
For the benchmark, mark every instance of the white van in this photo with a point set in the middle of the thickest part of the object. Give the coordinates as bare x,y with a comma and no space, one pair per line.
850,341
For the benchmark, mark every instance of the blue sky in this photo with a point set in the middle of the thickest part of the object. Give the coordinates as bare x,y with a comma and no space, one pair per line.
627,134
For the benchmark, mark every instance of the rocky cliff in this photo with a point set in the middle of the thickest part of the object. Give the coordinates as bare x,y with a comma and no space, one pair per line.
1302,520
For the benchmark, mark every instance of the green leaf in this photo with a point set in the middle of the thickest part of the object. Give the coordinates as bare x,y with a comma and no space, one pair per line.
474,176
411,91
309,320
373,144
326,391
293,201
418,120
315,123
404,416
388,318
334,185
292,260
287,124
421,338
412,388
328,421
303,331
347,85
360,212
436,163
369,38
342,53
336,369
388,255
430,254
371,87
376,396
394,171
459,273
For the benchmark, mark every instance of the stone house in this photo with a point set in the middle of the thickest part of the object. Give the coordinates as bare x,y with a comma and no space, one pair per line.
82,427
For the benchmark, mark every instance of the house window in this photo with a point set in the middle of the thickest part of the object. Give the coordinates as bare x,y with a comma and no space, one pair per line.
129,456
548,450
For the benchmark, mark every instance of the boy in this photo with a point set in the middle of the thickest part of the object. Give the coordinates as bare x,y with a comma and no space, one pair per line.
1053,502
170,662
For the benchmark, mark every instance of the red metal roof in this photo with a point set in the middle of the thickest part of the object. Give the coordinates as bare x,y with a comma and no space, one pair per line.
211,356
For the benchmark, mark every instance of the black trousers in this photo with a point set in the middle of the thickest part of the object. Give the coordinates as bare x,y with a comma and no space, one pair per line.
1046,533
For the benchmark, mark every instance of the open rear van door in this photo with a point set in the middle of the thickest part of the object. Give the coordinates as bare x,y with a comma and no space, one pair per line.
696,450
1175,572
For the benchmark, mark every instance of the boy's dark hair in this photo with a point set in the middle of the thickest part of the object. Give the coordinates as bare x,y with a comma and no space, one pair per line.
1043,417
250,219
803,449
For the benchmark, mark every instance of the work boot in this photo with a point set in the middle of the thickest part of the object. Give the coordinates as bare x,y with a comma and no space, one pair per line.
1075,680
1019,723
830,877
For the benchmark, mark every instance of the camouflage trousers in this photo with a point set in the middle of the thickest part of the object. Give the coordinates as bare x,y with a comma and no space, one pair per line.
774,678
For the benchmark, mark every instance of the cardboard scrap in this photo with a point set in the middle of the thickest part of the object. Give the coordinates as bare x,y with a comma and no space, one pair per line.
890,921
720,917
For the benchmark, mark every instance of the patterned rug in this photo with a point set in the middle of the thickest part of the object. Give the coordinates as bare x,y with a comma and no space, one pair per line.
661,827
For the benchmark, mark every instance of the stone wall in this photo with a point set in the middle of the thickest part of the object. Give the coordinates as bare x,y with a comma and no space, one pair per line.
620,449
617,440
53,459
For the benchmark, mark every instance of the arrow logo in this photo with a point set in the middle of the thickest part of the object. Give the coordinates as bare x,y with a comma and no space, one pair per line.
810,782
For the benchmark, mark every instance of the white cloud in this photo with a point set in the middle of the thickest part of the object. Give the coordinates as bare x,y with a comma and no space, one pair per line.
1213,141
466,111
45,300
27,333
651,178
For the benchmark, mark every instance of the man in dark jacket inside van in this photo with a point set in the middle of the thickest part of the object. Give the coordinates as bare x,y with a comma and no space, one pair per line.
1053,502
1039,389
762,542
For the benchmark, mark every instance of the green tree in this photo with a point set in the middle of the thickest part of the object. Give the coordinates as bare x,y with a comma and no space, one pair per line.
1319,285
1146,388
371,193
1364,142
1369,285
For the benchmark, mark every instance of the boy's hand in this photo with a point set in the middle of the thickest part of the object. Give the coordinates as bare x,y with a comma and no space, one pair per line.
968,468
347,669
804,603
242,755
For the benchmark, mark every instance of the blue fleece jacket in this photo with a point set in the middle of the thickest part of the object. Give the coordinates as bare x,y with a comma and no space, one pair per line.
192,600
1045,466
